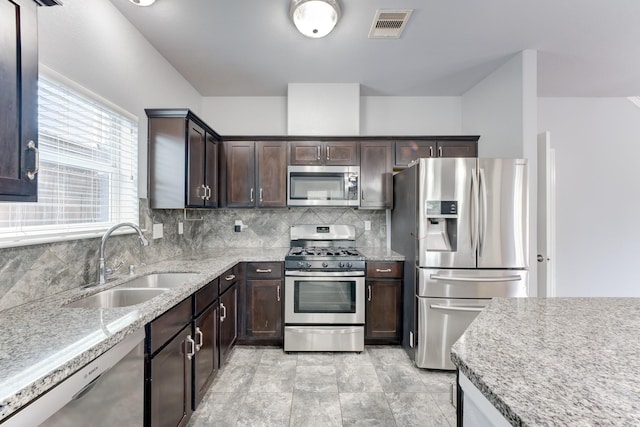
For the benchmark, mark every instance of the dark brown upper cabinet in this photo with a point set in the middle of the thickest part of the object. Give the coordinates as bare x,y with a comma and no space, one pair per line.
409,150
182,159
254,174
376,174
18,101
336,153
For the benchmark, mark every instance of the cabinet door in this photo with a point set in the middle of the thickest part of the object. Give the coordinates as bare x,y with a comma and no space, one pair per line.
408,151
169,382
196,191
206,361
272,173
240,176
211,171
457,149
384,311
306,153
228,321
18,100
264,309
342,153
376,175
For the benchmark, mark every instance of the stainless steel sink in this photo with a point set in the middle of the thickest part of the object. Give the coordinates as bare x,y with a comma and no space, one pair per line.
159,280
117,297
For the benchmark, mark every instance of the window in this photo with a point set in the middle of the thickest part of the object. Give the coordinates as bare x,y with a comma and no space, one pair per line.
88,169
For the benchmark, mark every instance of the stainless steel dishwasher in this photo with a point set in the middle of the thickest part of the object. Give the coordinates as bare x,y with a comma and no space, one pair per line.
107,392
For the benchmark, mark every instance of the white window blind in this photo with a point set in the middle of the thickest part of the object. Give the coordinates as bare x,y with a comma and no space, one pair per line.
88,169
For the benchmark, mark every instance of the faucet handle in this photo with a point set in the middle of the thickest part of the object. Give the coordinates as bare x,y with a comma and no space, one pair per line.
110,270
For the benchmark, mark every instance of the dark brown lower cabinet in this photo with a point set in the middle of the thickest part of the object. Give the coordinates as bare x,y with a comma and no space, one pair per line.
207,359
383,303
262,303
169,383
228,321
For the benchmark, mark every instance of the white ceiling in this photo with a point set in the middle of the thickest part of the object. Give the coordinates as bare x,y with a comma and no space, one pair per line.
251,48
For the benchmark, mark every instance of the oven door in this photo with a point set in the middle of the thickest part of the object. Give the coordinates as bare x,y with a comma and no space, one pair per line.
324,298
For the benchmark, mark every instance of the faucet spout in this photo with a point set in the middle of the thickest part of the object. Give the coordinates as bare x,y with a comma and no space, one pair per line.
102,269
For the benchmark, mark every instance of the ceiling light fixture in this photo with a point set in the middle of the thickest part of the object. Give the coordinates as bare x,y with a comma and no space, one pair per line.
143,2
315,18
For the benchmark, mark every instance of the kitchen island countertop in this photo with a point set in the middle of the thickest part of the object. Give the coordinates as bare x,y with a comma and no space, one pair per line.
556,361
42,343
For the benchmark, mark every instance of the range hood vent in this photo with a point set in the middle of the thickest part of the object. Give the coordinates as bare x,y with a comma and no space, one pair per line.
389,24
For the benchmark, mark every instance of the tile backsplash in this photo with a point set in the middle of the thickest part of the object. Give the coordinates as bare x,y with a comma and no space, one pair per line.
29,273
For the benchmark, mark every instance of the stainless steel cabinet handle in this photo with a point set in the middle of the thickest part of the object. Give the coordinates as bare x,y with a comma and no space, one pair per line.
384,270
431,151
328,151
261,194
192,351
32,174
278,292
199,339
204,191
251,194
477,279
454,308
230,277
368,292
439,151
261,270
318,152
208,193
224,312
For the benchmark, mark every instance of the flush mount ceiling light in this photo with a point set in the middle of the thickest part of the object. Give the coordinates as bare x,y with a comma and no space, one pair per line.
143,2
315,18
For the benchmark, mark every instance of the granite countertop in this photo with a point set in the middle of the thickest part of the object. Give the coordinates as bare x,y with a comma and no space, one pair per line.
43,343
568,361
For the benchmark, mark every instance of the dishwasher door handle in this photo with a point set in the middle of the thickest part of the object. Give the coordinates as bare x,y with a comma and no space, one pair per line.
455,308
476,279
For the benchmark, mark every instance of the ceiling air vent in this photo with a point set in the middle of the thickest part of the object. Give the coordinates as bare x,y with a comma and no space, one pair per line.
389,24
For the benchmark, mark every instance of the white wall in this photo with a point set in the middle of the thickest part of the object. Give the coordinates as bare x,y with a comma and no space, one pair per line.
379,115
91,43
410,115
597,194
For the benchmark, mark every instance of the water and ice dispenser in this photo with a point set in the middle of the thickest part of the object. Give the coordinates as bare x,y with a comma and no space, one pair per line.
441,225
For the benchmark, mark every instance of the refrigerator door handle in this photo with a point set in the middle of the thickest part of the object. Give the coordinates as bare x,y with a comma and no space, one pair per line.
483,216
476,210
455,308
476,279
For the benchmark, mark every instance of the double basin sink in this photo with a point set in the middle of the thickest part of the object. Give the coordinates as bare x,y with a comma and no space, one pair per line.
135,291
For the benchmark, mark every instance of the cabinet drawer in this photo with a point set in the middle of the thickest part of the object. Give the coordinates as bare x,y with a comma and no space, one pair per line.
170,323
205,296
229,277
264,270
381,269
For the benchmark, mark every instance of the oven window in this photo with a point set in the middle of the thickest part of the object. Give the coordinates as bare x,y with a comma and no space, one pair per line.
317,296
319,186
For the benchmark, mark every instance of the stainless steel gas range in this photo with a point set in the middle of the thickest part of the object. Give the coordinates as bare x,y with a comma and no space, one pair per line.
324,290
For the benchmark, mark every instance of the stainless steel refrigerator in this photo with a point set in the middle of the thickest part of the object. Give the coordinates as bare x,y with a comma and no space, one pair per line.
463,226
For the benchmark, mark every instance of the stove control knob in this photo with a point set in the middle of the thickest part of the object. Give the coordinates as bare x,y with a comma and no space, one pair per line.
301,264
308,265
325,264
349,265
341,264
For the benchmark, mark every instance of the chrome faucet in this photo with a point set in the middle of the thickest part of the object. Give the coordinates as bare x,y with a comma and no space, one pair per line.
103,271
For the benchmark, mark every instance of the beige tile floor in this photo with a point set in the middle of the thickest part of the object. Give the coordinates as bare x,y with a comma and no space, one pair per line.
379,387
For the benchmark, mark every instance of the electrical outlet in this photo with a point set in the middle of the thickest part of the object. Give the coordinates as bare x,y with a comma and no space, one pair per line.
180,228
367,226
158,231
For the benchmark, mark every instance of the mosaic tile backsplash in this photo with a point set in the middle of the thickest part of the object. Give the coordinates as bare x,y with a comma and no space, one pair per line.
33,272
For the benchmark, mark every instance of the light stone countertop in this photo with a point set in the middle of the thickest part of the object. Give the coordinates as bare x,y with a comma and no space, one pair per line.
43,343
556,361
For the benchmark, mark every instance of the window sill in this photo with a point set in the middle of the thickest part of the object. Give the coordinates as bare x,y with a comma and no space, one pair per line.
22,239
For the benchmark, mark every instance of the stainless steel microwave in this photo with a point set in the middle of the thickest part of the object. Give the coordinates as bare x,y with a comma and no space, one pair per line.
323,186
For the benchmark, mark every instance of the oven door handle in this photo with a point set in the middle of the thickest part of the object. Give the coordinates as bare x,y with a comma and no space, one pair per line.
324,273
